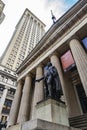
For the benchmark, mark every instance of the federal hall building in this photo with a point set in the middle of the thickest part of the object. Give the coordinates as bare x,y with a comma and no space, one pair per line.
65,46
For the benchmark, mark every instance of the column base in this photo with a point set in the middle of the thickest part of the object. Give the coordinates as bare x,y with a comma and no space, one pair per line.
53,111
38,124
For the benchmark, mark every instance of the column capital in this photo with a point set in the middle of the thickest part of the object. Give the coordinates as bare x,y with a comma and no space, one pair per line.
20,82
29,74
74,38
54,53
40,65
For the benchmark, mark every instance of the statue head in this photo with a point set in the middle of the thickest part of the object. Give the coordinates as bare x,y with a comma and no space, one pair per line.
49,64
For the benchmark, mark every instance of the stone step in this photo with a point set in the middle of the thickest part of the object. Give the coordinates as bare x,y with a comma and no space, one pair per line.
79,122
78,119
38,124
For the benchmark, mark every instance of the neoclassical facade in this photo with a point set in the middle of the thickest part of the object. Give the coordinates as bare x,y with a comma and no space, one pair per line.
66,35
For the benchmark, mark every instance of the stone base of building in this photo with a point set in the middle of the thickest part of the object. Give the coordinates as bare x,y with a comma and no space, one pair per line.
53,111
38,124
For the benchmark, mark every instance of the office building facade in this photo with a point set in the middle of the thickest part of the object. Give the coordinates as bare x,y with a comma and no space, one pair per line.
8,80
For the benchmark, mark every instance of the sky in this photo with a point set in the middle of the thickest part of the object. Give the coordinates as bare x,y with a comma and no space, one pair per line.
41,8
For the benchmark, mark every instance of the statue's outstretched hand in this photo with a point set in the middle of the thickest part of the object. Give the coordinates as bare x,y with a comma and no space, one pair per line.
37,80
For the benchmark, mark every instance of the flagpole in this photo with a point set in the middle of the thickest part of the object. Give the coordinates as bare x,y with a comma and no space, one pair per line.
53,17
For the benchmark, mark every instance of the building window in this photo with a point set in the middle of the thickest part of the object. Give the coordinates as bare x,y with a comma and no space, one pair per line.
7,106
11,91
2,87
3,119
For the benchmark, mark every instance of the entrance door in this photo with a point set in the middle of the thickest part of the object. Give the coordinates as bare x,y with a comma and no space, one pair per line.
82,97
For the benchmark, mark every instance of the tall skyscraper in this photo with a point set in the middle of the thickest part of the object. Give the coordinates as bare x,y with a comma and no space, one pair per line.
27,34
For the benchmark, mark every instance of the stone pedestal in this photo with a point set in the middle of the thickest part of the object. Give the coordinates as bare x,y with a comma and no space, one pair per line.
15,127
51,115
38,124
53,111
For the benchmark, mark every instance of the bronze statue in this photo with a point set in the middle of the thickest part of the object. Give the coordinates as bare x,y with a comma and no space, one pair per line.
52,83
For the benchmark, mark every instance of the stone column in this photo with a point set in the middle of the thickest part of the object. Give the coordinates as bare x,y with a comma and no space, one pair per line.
55,62
25,101
15,105
68,89
3,100
38,91
80,58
